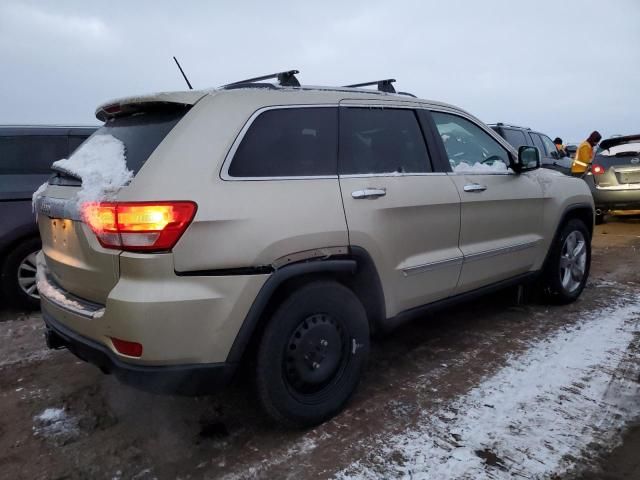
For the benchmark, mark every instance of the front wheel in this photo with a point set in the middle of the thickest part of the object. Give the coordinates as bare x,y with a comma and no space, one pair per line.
568,264
312,354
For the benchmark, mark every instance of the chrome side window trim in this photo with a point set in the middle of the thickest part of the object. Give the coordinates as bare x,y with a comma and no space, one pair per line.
393,174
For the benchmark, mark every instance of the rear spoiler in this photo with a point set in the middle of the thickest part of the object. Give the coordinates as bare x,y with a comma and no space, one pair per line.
158,101
612,142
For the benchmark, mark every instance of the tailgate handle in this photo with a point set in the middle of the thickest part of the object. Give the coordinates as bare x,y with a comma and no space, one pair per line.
474,187
369,193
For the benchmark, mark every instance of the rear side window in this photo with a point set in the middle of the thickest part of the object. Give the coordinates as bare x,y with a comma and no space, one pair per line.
289,142
515,137
141,134
381,140
31,154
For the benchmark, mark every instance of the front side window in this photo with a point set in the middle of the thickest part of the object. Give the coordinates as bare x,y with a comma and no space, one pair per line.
381,140
289,142
552,150
469,148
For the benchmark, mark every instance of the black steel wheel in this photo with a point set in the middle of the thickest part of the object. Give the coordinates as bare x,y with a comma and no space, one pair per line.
312,354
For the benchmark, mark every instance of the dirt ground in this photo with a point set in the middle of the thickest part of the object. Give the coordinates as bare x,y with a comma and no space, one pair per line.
63,419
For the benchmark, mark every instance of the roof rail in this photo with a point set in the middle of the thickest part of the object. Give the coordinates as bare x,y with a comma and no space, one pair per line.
383,85
500,124
286,79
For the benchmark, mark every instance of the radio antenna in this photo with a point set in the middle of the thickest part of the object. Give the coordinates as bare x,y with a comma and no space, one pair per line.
182,72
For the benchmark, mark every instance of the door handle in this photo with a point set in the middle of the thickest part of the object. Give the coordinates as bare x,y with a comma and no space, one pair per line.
474,187
369,193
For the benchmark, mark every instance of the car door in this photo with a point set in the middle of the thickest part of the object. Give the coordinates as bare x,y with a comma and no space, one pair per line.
501,212
405,215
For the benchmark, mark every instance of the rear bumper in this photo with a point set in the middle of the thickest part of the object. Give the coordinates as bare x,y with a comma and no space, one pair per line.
616,199
179,379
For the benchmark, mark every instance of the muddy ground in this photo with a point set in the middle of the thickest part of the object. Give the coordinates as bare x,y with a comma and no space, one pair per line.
61,418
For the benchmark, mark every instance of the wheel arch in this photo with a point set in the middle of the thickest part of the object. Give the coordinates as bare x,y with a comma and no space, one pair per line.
356,271
580,211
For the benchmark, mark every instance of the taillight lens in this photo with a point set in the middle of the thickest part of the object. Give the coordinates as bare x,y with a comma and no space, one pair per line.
597,169
139,226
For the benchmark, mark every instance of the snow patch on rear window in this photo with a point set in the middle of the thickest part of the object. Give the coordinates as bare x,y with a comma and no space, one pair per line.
464,167
101,164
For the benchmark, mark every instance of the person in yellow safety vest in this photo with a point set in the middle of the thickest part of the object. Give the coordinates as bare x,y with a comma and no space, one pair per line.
584,154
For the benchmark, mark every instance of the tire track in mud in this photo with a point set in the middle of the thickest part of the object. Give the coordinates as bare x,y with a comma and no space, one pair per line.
422,420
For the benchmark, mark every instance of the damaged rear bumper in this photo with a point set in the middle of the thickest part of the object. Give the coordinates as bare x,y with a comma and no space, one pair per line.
193,379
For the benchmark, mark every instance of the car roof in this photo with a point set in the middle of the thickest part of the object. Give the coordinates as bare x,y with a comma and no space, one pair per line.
506,125
269,93
611,142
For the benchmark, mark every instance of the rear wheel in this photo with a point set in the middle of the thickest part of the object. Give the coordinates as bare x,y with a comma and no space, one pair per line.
19,275
312,354
568,264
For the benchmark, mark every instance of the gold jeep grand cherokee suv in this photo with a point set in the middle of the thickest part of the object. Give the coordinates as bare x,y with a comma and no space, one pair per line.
284,224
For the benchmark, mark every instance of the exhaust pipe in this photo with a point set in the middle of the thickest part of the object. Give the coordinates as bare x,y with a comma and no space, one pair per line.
598,211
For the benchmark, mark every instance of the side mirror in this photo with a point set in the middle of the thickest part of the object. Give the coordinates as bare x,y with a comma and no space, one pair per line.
528,159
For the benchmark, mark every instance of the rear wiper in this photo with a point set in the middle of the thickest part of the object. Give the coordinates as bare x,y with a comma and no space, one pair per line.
65,172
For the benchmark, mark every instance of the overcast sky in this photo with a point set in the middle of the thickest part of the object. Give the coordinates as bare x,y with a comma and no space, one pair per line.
562,67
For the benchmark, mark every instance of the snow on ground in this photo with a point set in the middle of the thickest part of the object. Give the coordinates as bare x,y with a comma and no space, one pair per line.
54,422
495,167
532,419
101,164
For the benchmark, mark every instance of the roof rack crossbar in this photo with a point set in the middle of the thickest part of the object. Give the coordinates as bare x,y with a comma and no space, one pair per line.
286,79
383,85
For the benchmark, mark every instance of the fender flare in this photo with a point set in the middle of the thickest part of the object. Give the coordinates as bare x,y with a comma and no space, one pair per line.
563,218
252,320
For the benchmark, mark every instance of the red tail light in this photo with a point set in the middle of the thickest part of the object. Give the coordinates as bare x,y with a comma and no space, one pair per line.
138,226
597,169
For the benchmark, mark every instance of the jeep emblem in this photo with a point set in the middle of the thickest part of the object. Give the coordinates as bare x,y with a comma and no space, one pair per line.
45,207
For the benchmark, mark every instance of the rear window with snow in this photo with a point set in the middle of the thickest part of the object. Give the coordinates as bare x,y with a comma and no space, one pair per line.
141,134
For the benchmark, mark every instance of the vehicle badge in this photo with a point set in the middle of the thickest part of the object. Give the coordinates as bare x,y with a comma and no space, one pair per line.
45,207
635,160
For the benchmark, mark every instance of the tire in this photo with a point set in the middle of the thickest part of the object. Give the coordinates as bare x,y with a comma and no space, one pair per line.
567,269
312,354
21,262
